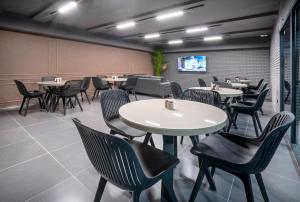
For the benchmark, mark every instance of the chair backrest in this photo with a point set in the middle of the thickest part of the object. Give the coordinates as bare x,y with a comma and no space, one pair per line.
272,136
85,83
215,78
111,101
287,85
176,90
113,158
259,83
204,96
223,84
201,82
98,82
263,87
260,99
48,78
21,87
72,87
131,82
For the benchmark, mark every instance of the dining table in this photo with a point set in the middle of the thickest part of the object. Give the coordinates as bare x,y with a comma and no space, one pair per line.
224,92
246,81
239,85
52,87
187,118
115,80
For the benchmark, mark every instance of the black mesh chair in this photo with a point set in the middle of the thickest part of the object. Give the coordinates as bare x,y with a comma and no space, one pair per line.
111,101
131,166
257,86
46,89
84,87
129,85
70,90
201,83
99,85
250,109
253,94
242,156
222,84
215,78
203,96
176,90
27,95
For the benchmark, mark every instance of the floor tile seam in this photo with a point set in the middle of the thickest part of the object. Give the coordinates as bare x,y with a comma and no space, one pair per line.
294,159
58,162
65,146
62,130
49,188
230,190
34,124
83,170
281,176
17,142
65,121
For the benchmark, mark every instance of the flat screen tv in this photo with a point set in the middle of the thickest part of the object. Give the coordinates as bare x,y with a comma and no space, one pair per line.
192,64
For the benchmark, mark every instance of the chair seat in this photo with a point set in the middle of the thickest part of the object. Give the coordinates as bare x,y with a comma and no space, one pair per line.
35,93
120,127
153,161
242,107
230,149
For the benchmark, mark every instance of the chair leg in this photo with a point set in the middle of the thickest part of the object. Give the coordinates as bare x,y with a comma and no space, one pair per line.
40,103
262,187
181,140
255,125
87,97
55,104
64,105
100,189
94,94
81,97
262,112
171,193
231,120
152,141
136,196
248,187
27,104
21,107
212,172
258,121
202,170
44,103
212,185
133,92
76,98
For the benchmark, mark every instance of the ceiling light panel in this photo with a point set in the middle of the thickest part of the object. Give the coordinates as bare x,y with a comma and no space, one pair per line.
67,7
196,30
125,25
213,38
169,15
175,42
152,36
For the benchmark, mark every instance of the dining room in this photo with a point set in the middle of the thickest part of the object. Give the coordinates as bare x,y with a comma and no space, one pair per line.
139,100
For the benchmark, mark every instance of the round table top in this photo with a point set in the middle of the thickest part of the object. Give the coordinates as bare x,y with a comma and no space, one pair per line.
246,81
119,79
186,119
224,92
239,85
51,83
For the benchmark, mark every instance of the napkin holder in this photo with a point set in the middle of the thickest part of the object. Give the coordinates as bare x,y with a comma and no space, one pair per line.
58,79
169,104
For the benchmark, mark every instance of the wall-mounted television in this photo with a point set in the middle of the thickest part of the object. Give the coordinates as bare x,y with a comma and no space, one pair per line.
195,63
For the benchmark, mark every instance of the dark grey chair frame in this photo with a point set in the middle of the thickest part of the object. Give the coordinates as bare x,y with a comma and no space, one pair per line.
130,85
99,85
265,146
201,82
84,87
27,95
215,78
176,90
118,163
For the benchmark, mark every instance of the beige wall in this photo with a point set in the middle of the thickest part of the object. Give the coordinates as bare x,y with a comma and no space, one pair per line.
28,57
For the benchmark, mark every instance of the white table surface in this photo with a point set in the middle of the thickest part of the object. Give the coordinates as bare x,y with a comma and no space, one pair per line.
239,85
51,83
246,81
115,80
224,92
187,119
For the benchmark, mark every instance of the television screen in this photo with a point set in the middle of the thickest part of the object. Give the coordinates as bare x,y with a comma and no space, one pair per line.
192,64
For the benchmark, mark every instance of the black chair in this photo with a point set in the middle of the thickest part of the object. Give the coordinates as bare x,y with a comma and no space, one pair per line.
111,101
215,78
70,90
129,85
201,82
253,94
131,166
99,85
287,86
222,84
257,86
84,87
250,109
242,156
203,96
27,95
176,90
46,89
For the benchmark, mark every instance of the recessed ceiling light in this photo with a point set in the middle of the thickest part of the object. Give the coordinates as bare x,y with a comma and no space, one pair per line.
68,6
196,29
173,42
213,38
125,25
152,36
169,15
263,35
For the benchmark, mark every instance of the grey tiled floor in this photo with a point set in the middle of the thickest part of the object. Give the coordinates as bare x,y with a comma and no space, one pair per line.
42,159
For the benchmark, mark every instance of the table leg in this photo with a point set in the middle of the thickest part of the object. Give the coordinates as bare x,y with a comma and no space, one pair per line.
167,189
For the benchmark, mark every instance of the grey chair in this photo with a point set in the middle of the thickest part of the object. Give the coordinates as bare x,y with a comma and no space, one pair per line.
176,90
256,87
99,85
215,78
129,165
201,82
242,156
111,101
222,84
129,85
84,87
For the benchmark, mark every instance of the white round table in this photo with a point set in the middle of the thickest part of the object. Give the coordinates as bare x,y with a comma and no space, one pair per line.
187,119
224,92
112,80
51,83
246,81
239,85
